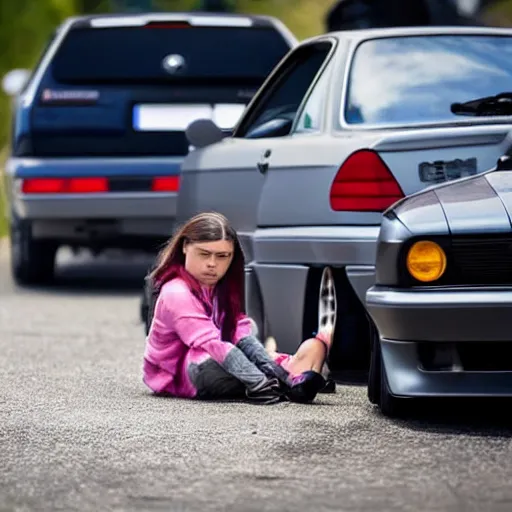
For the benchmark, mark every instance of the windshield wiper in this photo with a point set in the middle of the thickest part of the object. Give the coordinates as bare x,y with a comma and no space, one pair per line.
499,105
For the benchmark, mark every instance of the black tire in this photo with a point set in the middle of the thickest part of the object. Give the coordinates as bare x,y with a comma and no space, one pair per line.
378,388
32,261
390,405
144,309
374,373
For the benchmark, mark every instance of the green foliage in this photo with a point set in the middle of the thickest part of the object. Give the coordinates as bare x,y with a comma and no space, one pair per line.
500,13
305,18
3,220
25,26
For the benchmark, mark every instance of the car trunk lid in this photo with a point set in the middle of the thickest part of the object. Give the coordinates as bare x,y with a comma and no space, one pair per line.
421,158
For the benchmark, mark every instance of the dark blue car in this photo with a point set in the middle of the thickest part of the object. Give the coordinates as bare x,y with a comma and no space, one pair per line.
98,131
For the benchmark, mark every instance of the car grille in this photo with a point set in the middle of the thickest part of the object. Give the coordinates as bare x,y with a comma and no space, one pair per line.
481,261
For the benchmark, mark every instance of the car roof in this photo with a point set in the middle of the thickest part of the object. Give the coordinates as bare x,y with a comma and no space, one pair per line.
378,33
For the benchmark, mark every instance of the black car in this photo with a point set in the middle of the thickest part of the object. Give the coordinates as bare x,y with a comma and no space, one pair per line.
442,297
98,131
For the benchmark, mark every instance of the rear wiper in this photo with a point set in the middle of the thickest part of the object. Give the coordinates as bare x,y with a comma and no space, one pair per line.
499,105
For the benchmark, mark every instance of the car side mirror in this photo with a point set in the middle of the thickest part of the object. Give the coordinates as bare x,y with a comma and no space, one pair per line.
203,132
278,127
504,163
14,81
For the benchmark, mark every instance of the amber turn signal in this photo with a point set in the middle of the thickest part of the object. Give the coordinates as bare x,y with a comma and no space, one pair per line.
426,261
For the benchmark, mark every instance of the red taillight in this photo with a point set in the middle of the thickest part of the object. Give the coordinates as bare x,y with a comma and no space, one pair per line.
87,185
64,185
364,183
42,186
166,184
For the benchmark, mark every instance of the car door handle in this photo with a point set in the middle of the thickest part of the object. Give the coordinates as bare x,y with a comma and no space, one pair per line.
263,164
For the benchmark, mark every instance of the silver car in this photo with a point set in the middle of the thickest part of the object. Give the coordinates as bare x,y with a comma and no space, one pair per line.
347,124
442,301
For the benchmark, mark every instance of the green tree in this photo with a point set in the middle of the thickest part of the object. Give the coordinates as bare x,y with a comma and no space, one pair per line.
25,26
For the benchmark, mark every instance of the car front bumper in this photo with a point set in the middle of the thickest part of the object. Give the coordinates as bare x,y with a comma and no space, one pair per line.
449,317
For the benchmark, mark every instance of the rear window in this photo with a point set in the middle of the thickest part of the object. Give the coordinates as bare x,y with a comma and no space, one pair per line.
137,54
409,80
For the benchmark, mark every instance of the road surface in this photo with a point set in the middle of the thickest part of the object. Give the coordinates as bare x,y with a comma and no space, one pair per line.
79,431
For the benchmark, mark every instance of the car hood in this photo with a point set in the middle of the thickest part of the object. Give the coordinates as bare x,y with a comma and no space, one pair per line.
478,204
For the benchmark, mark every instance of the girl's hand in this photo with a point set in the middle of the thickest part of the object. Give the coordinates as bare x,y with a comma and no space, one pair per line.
266,393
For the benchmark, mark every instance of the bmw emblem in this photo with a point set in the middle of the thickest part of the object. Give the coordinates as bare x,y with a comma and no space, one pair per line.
173,63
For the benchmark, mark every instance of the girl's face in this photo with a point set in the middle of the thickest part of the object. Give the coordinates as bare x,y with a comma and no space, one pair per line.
208,262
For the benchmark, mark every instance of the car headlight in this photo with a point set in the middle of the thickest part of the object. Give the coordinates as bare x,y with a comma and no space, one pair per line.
426,261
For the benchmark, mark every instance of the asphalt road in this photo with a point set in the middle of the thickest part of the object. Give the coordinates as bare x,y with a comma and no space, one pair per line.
79,431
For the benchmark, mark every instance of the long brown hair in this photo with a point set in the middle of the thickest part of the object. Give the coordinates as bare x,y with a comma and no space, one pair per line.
230,293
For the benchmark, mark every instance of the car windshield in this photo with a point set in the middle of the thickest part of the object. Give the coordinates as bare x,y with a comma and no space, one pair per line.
416,79
136,54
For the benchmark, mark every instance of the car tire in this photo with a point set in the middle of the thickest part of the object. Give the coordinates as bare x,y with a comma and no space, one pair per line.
390,405
378,388
32,261
144,310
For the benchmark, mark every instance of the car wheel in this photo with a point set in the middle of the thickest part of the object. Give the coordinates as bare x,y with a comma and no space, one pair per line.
144,310
32,261
327,316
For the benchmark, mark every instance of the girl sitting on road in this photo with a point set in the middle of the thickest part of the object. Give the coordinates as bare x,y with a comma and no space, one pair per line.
201,344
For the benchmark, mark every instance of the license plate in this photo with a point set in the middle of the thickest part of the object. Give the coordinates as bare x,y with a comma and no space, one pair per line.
163,117
439,171
157,117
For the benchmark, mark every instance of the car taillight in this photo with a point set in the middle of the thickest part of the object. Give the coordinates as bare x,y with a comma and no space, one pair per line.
364,183
165,184
64,185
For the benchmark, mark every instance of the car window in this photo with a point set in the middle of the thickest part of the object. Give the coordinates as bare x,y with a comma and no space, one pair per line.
284,94
135,54
310,119
415,79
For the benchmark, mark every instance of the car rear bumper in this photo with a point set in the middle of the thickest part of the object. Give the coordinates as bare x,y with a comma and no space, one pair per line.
449,322
130,212
139,205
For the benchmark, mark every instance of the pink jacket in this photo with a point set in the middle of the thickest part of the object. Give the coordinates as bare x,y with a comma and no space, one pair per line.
182,333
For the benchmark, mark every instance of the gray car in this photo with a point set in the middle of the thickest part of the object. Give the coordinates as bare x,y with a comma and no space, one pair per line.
442,300
347,124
